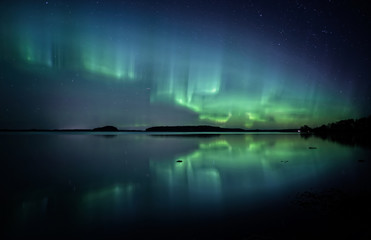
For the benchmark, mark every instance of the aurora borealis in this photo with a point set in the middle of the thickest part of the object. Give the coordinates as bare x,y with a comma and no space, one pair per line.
136,64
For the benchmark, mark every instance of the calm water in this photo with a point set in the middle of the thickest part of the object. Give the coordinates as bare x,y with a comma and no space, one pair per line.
254,186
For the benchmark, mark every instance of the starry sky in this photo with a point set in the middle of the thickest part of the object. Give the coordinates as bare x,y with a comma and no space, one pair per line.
136,64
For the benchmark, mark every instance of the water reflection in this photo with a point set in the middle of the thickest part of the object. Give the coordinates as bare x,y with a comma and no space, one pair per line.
113,201
244,168
345,138
75,182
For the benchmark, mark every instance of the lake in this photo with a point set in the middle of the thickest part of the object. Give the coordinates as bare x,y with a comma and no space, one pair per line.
140,185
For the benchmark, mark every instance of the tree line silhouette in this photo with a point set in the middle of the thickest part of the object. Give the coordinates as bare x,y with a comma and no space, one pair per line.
349,132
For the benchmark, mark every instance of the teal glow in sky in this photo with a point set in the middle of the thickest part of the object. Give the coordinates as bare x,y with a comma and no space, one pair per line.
138,64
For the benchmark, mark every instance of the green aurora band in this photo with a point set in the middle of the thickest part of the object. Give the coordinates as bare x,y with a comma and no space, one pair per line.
215,80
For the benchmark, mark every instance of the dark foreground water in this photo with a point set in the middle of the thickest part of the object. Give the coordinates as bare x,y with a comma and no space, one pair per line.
253,186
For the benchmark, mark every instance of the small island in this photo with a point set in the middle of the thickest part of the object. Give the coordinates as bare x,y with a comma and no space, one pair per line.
106,129
207,128
202,128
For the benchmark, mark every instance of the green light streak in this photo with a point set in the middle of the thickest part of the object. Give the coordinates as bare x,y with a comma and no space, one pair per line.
109,63
216,119
253,161
111,193
219,84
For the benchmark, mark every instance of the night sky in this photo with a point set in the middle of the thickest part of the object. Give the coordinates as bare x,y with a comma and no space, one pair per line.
136,64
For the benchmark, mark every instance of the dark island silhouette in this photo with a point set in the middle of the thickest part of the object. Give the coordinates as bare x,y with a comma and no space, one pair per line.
348,132
106,129
362,125
202,128
207,128
343,129
98,129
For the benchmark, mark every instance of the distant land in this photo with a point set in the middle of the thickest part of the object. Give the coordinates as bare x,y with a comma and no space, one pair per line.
353,132
206,128
348,126
98,129
344,127
106,129
200,128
